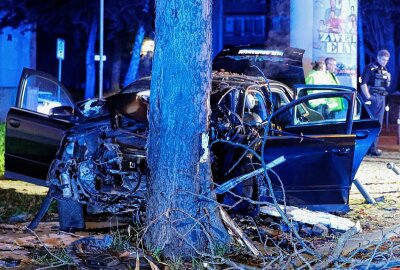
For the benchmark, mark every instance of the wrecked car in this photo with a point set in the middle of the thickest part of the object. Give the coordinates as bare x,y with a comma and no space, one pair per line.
93,153
324,138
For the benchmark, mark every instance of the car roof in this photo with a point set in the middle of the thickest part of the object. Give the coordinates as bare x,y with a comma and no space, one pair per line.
221,80
283,65
143,84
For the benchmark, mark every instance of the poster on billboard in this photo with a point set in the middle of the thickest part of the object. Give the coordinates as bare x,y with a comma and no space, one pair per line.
335,35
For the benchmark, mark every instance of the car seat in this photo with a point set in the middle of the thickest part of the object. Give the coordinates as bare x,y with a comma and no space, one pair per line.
249,116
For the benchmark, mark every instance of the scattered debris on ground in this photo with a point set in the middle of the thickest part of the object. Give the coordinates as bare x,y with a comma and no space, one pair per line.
264,241
315,218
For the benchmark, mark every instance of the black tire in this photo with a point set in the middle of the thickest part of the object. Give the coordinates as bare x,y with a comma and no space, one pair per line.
70,215
248,189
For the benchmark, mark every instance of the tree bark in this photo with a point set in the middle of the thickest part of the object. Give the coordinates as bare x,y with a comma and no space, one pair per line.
116,69
181,210
131,74
90,68
379,32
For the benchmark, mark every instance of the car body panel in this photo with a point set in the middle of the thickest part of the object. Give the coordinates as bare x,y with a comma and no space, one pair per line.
317,171
364,126
32,140
366,132
33,136
319,155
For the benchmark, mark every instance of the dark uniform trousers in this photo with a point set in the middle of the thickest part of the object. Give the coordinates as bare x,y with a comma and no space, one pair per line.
377,109
377,78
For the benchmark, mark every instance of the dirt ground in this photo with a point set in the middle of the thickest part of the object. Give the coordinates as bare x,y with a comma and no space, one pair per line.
383,185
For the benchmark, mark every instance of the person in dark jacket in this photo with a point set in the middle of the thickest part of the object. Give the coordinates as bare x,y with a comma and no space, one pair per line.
375,81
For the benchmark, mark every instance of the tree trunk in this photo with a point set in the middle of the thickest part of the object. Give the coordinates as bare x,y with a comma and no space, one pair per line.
392,65
116,67
132,72
181,209
379,32
90,68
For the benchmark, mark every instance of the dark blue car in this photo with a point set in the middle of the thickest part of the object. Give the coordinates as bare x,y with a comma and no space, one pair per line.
93,152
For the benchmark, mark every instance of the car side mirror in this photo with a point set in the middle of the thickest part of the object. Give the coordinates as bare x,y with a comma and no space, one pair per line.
61,111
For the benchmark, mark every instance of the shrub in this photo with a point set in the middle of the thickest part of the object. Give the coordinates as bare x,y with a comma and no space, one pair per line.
2,136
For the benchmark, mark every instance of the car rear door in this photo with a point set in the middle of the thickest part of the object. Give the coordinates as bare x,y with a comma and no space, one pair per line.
33,134
319,151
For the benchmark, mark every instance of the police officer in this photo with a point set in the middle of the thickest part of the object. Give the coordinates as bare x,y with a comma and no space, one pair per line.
374,83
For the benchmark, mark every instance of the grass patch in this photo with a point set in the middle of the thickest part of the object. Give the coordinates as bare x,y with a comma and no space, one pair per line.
52,258
2,136
19,197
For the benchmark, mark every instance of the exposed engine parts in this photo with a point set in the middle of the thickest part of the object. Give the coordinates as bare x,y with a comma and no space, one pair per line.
102,164
102,168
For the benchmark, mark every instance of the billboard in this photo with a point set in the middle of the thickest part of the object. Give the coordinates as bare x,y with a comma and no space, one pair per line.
327,28
335,35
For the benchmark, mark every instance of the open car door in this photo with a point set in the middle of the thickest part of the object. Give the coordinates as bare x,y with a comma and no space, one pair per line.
314,133
364,126
35,126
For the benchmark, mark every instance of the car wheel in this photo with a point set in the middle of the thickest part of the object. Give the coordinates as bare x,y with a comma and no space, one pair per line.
246,189
70,215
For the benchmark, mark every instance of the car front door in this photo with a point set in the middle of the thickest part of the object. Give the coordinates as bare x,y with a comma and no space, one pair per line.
364,126
318,145
34,131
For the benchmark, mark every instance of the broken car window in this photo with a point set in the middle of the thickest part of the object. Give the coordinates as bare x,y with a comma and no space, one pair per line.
41,95
331,106
321,110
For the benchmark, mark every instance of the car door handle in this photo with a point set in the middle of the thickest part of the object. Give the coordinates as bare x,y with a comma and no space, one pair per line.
362,134
14,123
341,151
